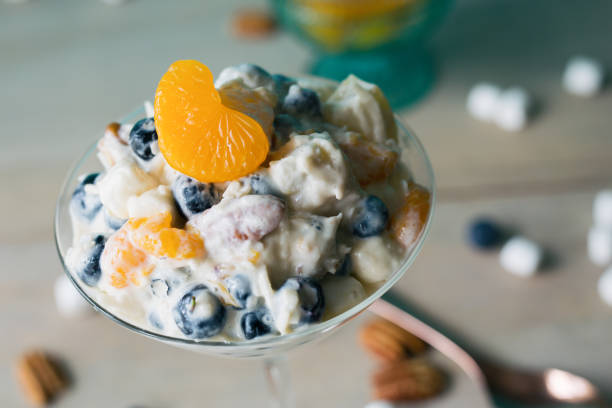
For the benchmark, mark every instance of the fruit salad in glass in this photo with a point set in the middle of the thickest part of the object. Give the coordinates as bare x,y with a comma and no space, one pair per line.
246,208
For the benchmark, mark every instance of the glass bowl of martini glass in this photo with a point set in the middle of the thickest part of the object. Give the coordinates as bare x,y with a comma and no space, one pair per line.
270,349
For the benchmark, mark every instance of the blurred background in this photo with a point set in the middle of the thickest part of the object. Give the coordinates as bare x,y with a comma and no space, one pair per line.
68,67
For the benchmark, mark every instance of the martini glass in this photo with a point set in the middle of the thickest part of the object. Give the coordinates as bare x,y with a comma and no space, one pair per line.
271,349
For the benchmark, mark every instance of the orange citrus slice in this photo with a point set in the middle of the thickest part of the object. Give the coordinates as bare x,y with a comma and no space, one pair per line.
371,162
155,236
197,134
125,262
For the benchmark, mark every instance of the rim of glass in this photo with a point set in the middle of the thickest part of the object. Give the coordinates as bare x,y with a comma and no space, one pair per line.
268,341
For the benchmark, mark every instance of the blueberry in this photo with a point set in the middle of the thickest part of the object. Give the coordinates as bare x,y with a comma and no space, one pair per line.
113,222
311,298
240,289
88,269
484,233
284,125
90,178
143,137
192,196
199,313
260,185
282,84
256,323
370,217
84,204
301,102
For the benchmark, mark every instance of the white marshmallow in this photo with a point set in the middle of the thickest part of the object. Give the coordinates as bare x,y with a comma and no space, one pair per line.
512,109
521,256
583,76
482,101
149,109
124,180
124,132
152,202
604,286
602,209
68,300
599,245
379,404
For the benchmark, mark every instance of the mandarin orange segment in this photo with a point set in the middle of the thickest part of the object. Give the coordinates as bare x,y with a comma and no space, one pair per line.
371,162
126,263
407,224
197,134
155,236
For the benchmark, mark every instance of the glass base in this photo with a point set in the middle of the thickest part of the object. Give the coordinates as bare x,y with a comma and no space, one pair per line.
405,75
279,384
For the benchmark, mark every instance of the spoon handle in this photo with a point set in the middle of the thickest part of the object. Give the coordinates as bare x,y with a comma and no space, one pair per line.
536,387
437,340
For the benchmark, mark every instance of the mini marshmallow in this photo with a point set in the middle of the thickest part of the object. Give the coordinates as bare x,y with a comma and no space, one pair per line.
602,209
149,109
482,101
521,256
583,76
379,404
68,300
604,286
512,109
599,245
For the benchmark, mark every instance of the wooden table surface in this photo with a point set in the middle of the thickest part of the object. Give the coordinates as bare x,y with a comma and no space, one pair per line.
67,67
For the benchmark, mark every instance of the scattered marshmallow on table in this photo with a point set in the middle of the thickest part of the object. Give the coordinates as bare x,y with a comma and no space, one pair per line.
583,76
599,245
512,109
509,109
602,209
68,300
521,256
482,101
604,286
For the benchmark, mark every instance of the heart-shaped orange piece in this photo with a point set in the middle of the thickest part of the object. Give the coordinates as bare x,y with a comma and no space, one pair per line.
198,135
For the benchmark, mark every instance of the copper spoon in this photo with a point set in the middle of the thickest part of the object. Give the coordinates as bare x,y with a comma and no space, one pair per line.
534,387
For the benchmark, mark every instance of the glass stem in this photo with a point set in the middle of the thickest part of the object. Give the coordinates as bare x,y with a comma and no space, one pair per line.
279,383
